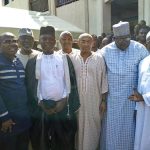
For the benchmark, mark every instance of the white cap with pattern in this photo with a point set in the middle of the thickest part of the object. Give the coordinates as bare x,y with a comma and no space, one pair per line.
121,29
25,31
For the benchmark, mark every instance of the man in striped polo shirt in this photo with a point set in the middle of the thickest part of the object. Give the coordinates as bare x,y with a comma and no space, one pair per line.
14,116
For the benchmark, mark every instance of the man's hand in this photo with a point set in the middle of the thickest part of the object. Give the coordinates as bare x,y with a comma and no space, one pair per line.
102,108
59,107
49,111
136,96
7,125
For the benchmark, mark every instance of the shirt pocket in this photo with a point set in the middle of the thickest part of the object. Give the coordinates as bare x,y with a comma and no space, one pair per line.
59,70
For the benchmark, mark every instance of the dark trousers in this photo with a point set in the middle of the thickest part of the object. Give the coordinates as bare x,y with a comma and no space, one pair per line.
53,133
16,142
35,133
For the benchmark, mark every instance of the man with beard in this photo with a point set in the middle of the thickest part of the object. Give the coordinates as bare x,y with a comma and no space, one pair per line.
53,96
122,58
14,113
26,42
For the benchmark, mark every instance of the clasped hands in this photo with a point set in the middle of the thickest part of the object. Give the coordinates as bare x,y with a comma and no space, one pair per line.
59,106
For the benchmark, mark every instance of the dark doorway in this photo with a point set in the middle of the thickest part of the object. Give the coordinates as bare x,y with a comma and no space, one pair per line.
125,10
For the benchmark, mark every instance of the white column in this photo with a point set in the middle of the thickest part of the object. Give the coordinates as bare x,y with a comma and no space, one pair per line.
87,16
103,16
144,10
52,7
1,3
147,12
141,4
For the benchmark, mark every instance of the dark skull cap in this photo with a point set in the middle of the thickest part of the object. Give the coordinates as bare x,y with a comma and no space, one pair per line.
47,30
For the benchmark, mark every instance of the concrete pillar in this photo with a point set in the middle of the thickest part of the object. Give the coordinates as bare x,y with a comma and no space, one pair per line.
52,7
1,3
147,12
141,4
87,16
143,10
103,16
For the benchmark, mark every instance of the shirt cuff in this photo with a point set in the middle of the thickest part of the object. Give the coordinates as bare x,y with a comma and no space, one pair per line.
146,98
4,116
64,94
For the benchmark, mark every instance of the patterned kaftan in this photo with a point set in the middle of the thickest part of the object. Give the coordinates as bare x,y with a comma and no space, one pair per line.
92,82
118,128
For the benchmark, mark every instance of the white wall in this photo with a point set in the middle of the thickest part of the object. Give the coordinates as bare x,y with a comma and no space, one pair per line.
93,16
21,4
1,4
73,13
147,12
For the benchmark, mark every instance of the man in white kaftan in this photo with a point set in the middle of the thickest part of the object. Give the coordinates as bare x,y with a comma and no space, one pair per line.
142,134
92,83
122,58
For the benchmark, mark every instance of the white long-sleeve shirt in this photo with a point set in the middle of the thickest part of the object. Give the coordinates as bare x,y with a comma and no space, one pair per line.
52,80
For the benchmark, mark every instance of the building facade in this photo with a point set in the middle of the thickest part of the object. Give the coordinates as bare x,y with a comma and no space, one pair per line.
93,16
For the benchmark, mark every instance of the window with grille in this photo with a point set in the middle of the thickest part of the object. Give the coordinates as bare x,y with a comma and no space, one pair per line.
5,2
63,2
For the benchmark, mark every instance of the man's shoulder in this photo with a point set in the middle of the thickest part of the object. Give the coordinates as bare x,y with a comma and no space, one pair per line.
145,60
107,49
144,64
60,51
32,59
75,50
138,48
137,44
97,55
35,52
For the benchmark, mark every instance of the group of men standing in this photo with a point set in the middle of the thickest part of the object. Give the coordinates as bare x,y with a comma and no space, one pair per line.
57,100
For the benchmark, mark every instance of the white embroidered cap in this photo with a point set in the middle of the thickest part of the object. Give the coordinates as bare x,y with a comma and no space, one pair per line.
121,29
25,31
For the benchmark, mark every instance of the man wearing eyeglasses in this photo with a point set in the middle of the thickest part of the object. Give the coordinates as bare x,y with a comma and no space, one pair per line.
122,58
